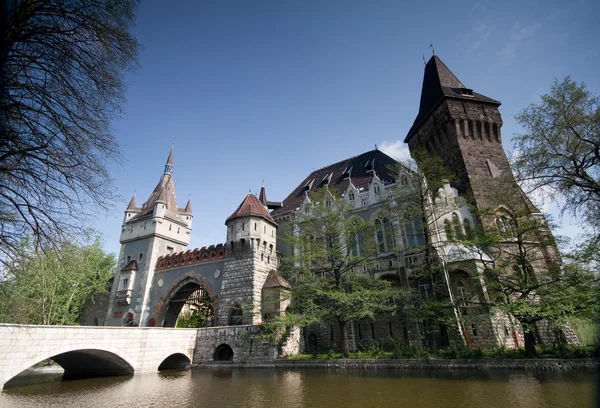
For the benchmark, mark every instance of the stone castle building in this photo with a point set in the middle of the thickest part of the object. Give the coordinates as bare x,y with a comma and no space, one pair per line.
158,276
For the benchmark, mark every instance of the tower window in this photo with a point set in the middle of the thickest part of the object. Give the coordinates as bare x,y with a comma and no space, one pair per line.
255,226
242,226
140,256
128,258
169,250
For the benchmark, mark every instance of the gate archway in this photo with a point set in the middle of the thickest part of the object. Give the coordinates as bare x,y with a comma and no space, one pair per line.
190,300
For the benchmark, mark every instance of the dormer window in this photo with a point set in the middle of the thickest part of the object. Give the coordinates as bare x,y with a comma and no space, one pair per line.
326,180
308,185
465,91
369,165
347,173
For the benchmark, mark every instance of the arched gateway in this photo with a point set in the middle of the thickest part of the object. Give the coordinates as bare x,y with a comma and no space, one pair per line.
191,300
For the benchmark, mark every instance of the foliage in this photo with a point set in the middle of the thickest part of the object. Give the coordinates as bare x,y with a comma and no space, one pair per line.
50,287
62,84
326,268
191,319
559,155
415,208
525,276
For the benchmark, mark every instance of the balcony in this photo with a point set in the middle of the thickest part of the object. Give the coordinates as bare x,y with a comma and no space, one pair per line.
124,296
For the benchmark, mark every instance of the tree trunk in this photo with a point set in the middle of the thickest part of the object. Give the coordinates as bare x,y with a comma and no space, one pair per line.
529,343
344,339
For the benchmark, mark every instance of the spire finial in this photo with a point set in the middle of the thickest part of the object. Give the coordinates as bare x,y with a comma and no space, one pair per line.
432,49
169,164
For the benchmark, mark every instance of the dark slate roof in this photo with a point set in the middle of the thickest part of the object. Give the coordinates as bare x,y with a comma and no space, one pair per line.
335,176
131,266
440,82
251,206
275,280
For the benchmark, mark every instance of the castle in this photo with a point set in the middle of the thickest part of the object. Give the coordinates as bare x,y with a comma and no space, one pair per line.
158,277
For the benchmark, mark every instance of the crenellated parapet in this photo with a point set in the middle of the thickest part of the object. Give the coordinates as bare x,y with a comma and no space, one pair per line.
191,257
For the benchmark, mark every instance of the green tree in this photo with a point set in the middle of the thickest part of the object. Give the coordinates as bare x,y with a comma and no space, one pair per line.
50,287
525,275
418,211
326,269
559,154
61,84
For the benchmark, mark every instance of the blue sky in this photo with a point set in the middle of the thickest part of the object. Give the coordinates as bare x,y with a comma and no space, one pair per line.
253,90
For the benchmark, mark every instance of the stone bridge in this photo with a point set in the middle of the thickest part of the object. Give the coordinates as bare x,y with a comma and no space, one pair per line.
97,351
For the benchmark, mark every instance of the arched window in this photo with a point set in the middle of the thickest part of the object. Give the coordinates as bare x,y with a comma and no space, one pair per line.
506,225
457,226
384,234
448,230
462,293
356,241
414,234
235,316
469,233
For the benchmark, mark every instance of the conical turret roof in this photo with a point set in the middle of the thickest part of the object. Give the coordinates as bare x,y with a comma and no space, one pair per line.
131,205
251,206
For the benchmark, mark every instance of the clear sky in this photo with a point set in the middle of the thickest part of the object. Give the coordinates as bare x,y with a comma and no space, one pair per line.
253,90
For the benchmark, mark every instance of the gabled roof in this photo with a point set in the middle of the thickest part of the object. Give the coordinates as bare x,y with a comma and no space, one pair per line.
275,280
251,206
359,170
439,83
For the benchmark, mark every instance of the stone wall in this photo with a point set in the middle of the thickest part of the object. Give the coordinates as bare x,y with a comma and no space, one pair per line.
245,342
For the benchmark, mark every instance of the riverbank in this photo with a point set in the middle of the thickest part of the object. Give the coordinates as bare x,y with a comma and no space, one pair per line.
549,364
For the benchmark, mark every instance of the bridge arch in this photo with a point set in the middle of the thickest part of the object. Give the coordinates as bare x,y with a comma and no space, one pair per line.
81,362
165,312
223,352
174,361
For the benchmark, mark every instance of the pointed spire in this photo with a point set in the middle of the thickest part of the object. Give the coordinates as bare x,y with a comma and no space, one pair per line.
439,83
188,206
132,205
263,196
169,164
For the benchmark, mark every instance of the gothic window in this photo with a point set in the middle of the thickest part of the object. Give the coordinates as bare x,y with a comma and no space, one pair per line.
456,225
235,316
506,226
425,291
384,234
414,234
351,196
376,189
448,230
468,228
462,293
306,209
140,256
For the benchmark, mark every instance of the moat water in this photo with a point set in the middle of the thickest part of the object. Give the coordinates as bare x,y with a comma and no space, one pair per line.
267,388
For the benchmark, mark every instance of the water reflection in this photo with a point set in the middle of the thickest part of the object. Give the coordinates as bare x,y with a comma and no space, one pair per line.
256,388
